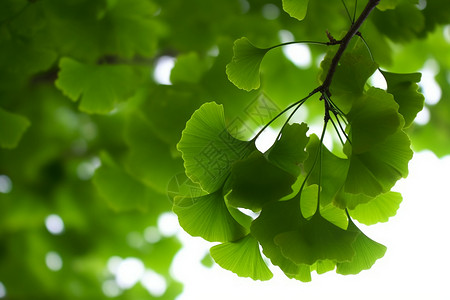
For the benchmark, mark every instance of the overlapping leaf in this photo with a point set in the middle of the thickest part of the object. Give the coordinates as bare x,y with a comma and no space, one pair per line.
243,70
404,88
99,87
242,257
367,252
379,209
208,149
208,216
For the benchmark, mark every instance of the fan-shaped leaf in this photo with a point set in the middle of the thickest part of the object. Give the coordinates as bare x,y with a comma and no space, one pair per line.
100,87
404,88
208,216
367,252
208,149
243,70
289,151
243,258
296,8
255,181
376,171
379,209
315,240
12,127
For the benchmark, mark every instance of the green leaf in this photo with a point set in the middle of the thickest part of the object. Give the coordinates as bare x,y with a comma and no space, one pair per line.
404,88
12,127
188,68
373,118
255,181
208,216
243,258
243,70
354,69
336,170
99,87
289,151
316,239
379,209
376,171
120,190
275,218
207,148
296,8
308,201
367,252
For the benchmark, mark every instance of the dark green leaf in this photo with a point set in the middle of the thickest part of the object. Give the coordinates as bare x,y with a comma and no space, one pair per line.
12,127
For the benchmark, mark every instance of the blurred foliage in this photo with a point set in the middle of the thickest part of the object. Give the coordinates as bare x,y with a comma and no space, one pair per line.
88,134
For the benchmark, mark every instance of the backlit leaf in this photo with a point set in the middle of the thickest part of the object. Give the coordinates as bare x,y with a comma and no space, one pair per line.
208,149
296,8
243,70
255,181
367,252
404,88
316,239
379,209
243,258
208,216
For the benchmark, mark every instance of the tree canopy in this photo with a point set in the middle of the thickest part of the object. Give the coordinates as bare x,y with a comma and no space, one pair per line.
95,148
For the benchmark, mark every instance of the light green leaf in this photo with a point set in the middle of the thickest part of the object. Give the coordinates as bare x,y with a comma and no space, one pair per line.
99,87
367,252
404,88
373,118
12,127
296,8
379,209
376,171
208,216
316,239
308,201
275,218
255,181
208,149
289,151
243,70
243,258
188,68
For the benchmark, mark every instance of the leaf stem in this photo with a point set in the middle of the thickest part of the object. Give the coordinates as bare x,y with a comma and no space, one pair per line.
304,42
371,4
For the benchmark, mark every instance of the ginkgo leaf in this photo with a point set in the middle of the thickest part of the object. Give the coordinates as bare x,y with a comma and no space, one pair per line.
354,69
208,216
275,218
255,181
367,252
316,239
12,127
289,151
404,88
376,171
379,209
243,70
242,257
336,170
120,190
308,201
188,68
373,118
99,87
208,149
296,8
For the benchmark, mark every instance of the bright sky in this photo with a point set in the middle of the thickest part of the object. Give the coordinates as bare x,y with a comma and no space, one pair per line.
415,266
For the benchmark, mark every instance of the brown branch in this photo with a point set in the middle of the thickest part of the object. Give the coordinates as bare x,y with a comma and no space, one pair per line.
324,88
